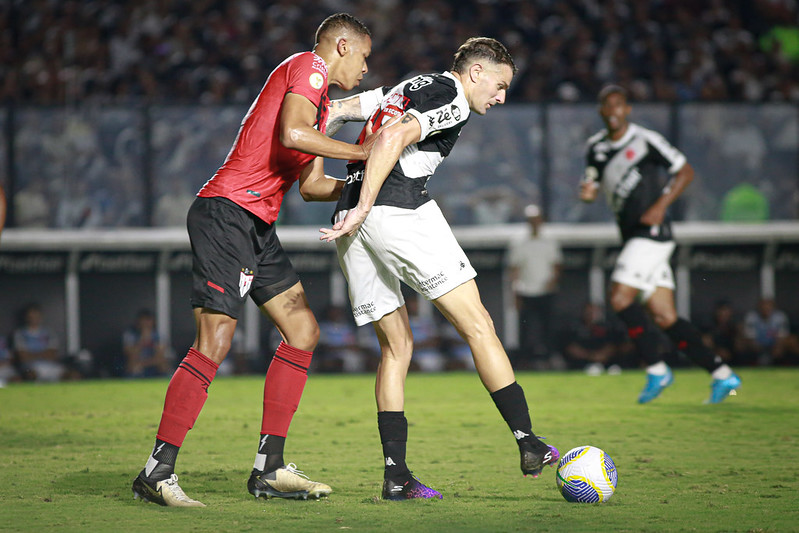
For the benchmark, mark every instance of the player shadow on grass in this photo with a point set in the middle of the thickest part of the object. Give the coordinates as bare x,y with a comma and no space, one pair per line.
116,483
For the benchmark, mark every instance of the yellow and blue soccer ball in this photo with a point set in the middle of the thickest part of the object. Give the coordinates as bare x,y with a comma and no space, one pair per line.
586,474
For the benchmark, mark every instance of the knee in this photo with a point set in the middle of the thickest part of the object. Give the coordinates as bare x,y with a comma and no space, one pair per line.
304,336
664,319
215,347
619,301
214,335
480,327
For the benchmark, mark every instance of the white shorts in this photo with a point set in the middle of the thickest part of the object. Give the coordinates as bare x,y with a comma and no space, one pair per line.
644,264
415,246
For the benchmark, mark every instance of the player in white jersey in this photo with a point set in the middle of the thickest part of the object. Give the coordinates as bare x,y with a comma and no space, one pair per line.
626,162
387,229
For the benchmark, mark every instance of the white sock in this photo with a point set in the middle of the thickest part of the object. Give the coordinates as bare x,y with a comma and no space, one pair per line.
658,369
722,372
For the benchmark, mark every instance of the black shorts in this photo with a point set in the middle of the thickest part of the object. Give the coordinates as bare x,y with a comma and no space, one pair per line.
235,254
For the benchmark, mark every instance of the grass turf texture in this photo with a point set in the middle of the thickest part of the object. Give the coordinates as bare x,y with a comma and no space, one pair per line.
70,452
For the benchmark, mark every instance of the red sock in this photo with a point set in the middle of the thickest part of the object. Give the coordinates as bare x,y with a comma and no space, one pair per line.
185,396
285,381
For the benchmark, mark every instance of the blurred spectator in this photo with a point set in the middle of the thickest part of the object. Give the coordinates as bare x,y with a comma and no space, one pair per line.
534,267
145,354
239,360
744,203
724,335
456,350
338,349
768,334
172,207
118,51
7,371
36,348
593,344
428,355
31,208
3,207
494,205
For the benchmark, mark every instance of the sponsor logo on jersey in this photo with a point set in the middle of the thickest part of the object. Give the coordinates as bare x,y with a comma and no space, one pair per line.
626,185
319,64
396,100
245,281
443,118
355,176
316,80
419,82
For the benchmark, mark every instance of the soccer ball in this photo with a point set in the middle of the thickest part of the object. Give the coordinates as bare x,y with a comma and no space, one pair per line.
586,474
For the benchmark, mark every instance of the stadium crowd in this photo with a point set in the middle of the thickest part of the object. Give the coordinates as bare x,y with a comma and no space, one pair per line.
594,342
213,51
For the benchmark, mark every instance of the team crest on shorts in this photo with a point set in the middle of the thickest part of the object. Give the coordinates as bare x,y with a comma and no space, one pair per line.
245,281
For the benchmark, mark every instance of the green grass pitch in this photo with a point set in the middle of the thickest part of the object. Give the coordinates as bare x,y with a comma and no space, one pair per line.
70,452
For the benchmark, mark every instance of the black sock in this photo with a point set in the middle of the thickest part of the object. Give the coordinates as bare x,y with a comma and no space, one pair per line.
642,332
687,339
272,447
393,427
161,464
512,406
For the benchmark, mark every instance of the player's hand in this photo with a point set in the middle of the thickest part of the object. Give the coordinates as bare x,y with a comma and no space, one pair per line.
349,226
588,190
371,138
654,215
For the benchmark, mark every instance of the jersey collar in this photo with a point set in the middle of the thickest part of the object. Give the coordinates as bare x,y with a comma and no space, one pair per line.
631,131
451,76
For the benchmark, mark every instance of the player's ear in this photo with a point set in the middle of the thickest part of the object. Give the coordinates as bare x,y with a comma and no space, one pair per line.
475,71
342,47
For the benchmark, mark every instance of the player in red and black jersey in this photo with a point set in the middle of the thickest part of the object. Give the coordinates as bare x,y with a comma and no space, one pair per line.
237,254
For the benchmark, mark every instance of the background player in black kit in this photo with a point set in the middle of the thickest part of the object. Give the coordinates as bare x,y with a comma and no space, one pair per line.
626,160
388,230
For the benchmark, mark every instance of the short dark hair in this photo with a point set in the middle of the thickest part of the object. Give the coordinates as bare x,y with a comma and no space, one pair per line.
607,90
341,21
477,48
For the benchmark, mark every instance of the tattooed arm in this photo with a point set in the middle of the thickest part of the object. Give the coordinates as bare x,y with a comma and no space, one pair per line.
356,108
